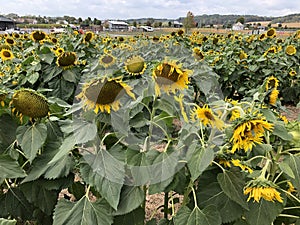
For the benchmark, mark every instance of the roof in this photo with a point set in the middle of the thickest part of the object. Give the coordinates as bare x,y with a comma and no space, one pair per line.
118,22
4,19
238,24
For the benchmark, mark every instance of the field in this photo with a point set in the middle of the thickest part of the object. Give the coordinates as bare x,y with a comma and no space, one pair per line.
164,127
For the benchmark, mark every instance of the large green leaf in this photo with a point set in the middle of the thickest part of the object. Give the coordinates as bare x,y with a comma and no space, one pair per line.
198,160
105,173
208,216
282,132
82,212
136,217
131,198
66,146
7,222
263,212
9,168
294,163
7,131
232,184
31,139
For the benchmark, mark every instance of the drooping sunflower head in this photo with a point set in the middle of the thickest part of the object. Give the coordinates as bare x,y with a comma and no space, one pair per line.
198,54
38,35
271,33
88,37
107,60
104,95
10,41
170,77
66,60
272,82
290,50
6,54
273,96
27,102
135,65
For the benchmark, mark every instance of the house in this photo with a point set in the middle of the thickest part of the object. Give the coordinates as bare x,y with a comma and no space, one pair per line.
238,26
177,24
117,25
6,23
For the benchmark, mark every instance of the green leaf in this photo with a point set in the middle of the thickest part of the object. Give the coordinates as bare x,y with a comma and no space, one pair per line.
64,149
282,132
208,216
7,222
84,131
82,212
232,184
286,169
7,131
105,173
198,160
70,76
31,139
294,163
136,217
9,168
32,78
263,212
131,198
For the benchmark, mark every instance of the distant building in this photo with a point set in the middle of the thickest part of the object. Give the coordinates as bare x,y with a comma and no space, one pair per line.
117,25
6,23
238,26
177,24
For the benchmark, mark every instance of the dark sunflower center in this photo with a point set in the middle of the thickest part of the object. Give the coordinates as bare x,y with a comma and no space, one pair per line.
2,97
66,59
88,37
209,116
6,54
272,50
270,33
10,41
272,83
107,59
38,36
167,75
104,93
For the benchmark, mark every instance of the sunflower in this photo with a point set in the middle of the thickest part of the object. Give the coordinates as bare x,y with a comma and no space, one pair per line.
66,60
273,96
262,188
271,50
271,33
135,65
272,82
243,55
290,50
38,35
104,95
206,116
169,76
249,132
198,54
10,41
27,102
88,37
292,73
3,95
6,54
54,40
238,163
59,51
261,37
107,60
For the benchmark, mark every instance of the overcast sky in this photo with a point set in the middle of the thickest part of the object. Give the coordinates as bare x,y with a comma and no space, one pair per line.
127,9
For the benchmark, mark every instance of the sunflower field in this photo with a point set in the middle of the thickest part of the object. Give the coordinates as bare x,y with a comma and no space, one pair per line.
92,125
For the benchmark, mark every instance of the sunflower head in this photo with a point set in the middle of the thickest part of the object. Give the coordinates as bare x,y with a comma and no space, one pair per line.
198,54
272,82
38,35
88,37
59,51
6,54
29,103
292,73
261,37
107,60
104,95
243,55
169,76
273,96
135,65
3,95
66,60
271,33
290,50
10,41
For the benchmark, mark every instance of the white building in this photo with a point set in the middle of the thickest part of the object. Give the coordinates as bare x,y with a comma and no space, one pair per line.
238,26
117,25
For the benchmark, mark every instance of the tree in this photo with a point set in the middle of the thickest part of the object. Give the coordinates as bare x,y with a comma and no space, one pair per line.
189,21
241,20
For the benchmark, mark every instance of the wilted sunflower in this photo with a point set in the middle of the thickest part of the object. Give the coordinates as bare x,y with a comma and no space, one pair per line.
247,133
135,65
104,95
27,102
273,96
3,95
292,73
272,82
6,54
206,116
10,41
262,188
107,60
271,33
169,77
290,50
198,54
88,37
66,60
38,35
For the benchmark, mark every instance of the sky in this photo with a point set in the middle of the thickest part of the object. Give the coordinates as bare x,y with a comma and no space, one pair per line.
133,9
